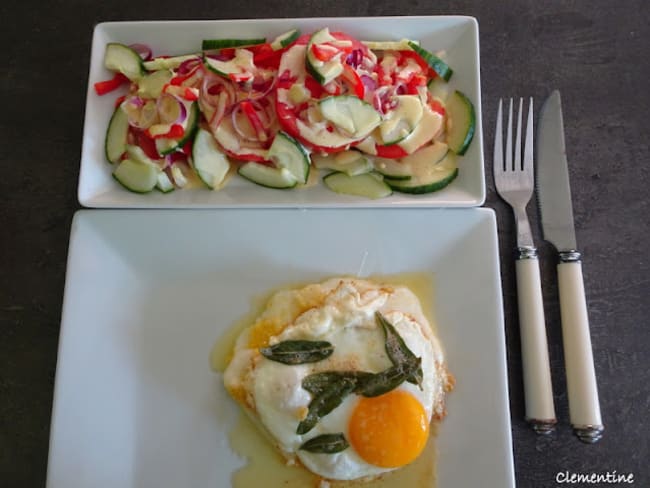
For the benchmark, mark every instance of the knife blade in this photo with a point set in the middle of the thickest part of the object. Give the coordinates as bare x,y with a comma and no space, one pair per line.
554,198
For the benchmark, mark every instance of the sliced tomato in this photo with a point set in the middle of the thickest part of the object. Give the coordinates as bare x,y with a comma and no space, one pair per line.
438,107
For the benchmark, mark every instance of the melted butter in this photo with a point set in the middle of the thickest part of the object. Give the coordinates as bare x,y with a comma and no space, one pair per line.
263,462
421,284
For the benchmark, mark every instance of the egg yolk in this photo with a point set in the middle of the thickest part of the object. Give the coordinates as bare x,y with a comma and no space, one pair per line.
390,430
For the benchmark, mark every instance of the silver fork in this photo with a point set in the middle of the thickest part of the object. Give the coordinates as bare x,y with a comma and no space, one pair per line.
514,182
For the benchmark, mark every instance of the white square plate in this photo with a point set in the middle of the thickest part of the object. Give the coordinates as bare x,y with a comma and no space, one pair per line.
457,36
149,292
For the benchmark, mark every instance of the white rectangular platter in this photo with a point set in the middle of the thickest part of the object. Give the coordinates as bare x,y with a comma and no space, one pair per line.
457,36
149,292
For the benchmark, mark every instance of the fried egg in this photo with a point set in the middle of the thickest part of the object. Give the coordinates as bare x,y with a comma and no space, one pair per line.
383,432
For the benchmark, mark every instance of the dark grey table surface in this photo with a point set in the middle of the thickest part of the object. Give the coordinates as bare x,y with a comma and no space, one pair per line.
595,52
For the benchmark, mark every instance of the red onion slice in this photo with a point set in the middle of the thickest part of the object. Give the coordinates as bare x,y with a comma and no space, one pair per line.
143,51
368,82
187,66
219,111
234,116
354,58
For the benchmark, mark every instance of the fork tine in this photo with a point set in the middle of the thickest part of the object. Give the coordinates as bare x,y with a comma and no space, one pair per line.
528,148
509,140
517,166
498,141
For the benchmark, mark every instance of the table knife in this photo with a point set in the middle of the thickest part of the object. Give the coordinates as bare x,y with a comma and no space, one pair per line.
554,197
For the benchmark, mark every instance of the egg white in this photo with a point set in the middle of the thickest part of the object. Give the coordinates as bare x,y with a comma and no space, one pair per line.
346,319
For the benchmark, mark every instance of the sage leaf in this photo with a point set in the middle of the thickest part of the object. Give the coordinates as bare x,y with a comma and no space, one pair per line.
317,382
326,444
397,350
298,352
389,379
326,401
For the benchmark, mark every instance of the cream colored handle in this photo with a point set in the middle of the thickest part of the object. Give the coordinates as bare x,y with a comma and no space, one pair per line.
538,389
584,407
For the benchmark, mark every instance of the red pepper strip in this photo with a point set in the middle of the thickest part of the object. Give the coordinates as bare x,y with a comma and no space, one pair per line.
104,87
288,121
175,132
417,58
240,77
187,148
437,107
324,52
390,152
119,100
254,120
227,51
179,79
190,95
147,144
415,82
352,78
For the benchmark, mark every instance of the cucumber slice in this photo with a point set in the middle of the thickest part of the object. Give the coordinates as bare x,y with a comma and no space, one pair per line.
401,45
427,175
241,63
136,176
168,63
392,169
267,176
151,86
439,89
349,162
283,40
428,127
123,59
461,122
180,178
369,185
210,164
289,154
441,68
164,184
208,44
322,71
167,146
116,135
136,153
403,169
402,120
351,114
